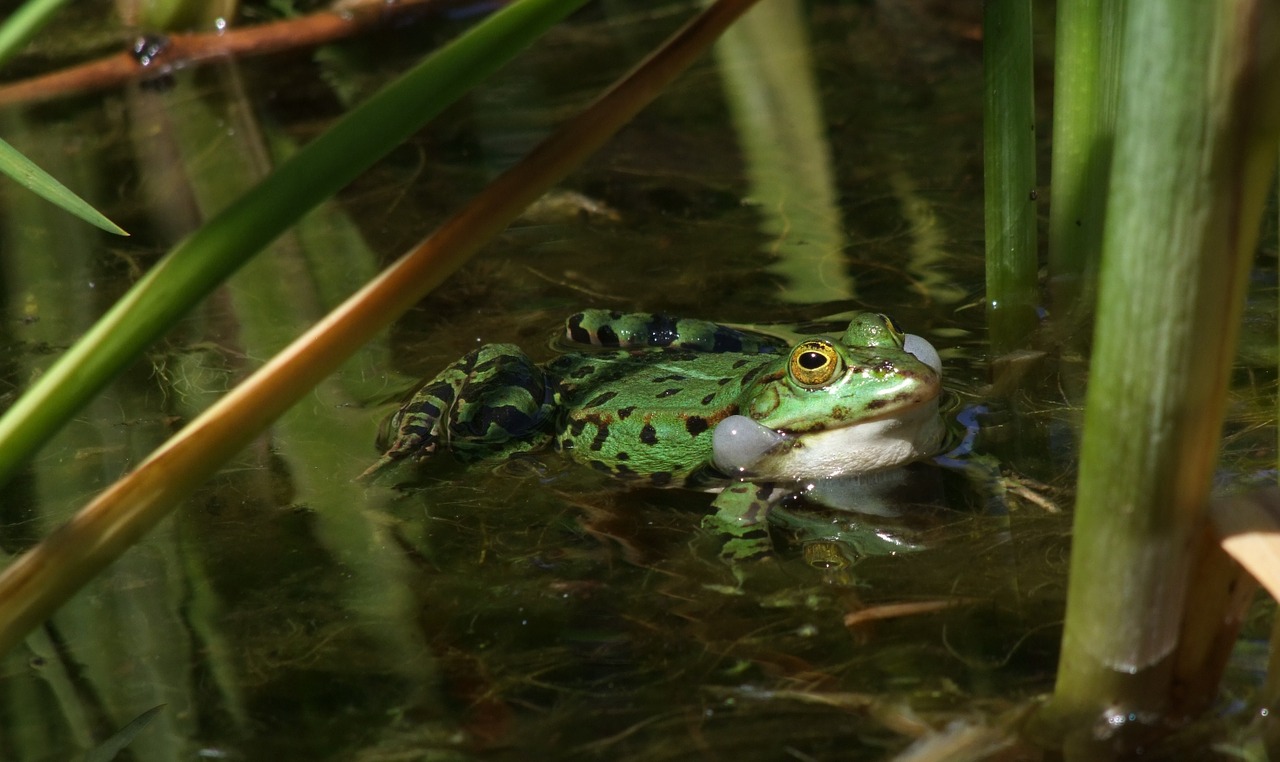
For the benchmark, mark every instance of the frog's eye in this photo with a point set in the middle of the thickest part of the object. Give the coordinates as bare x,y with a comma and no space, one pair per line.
873,329
814,363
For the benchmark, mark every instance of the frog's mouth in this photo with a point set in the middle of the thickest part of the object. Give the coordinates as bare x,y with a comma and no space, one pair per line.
745,448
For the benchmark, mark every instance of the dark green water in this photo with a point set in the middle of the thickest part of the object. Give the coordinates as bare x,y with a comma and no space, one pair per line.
524,610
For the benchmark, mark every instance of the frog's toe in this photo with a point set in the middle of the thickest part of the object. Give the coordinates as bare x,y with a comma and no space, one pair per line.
751,547
371,474
741,519
740,542
391,458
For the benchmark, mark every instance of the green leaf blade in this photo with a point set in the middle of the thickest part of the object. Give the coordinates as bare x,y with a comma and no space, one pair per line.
30,176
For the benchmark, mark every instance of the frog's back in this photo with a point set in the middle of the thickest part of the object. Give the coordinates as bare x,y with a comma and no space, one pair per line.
648,414
635,330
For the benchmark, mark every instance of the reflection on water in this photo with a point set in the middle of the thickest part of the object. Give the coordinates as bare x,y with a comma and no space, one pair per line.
524,610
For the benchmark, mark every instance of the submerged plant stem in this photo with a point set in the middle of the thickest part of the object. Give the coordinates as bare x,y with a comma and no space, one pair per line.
788,157
38,581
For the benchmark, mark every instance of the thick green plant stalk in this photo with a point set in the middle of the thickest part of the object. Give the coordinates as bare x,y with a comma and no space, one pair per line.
1085,84
1195,153
41,579
202,261
1009,166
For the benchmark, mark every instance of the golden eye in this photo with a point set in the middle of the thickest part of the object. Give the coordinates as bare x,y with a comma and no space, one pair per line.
814,363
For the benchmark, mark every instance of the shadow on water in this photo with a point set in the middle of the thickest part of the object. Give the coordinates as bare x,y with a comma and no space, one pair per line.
526,610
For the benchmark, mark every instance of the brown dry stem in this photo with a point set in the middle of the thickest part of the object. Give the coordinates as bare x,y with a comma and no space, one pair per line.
179,51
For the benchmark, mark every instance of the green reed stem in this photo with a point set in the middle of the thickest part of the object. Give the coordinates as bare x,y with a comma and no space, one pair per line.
1009,166
202,261
1195,153
1085,84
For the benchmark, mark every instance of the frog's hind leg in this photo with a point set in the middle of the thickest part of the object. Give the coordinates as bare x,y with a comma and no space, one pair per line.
506,400
488,398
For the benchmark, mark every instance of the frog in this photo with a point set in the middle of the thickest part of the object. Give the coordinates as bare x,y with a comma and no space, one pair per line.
655,400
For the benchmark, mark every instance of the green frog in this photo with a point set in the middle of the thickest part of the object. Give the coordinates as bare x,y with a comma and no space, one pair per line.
669,402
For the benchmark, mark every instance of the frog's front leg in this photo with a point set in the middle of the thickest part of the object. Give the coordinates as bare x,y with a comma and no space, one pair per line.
492,397
742,512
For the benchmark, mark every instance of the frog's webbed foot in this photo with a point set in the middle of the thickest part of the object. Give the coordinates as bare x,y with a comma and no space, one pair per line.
388,460
987,474
1032,491
741,515
998,488
374,471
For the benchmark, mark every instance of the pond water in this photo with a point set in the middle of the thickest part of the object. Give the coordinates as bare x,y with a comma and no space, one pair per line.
525,610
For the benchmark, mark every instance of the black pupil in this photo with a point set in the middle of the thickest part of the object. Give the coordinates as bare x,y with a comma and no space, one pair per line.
812,360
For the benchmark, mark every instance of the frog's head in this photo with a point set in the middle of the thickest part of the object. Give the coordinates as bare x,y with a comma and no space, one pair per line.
857,405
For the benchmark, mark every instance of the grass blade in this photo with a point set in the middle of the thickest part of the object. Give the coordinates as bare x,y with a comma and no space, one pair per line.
36,180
